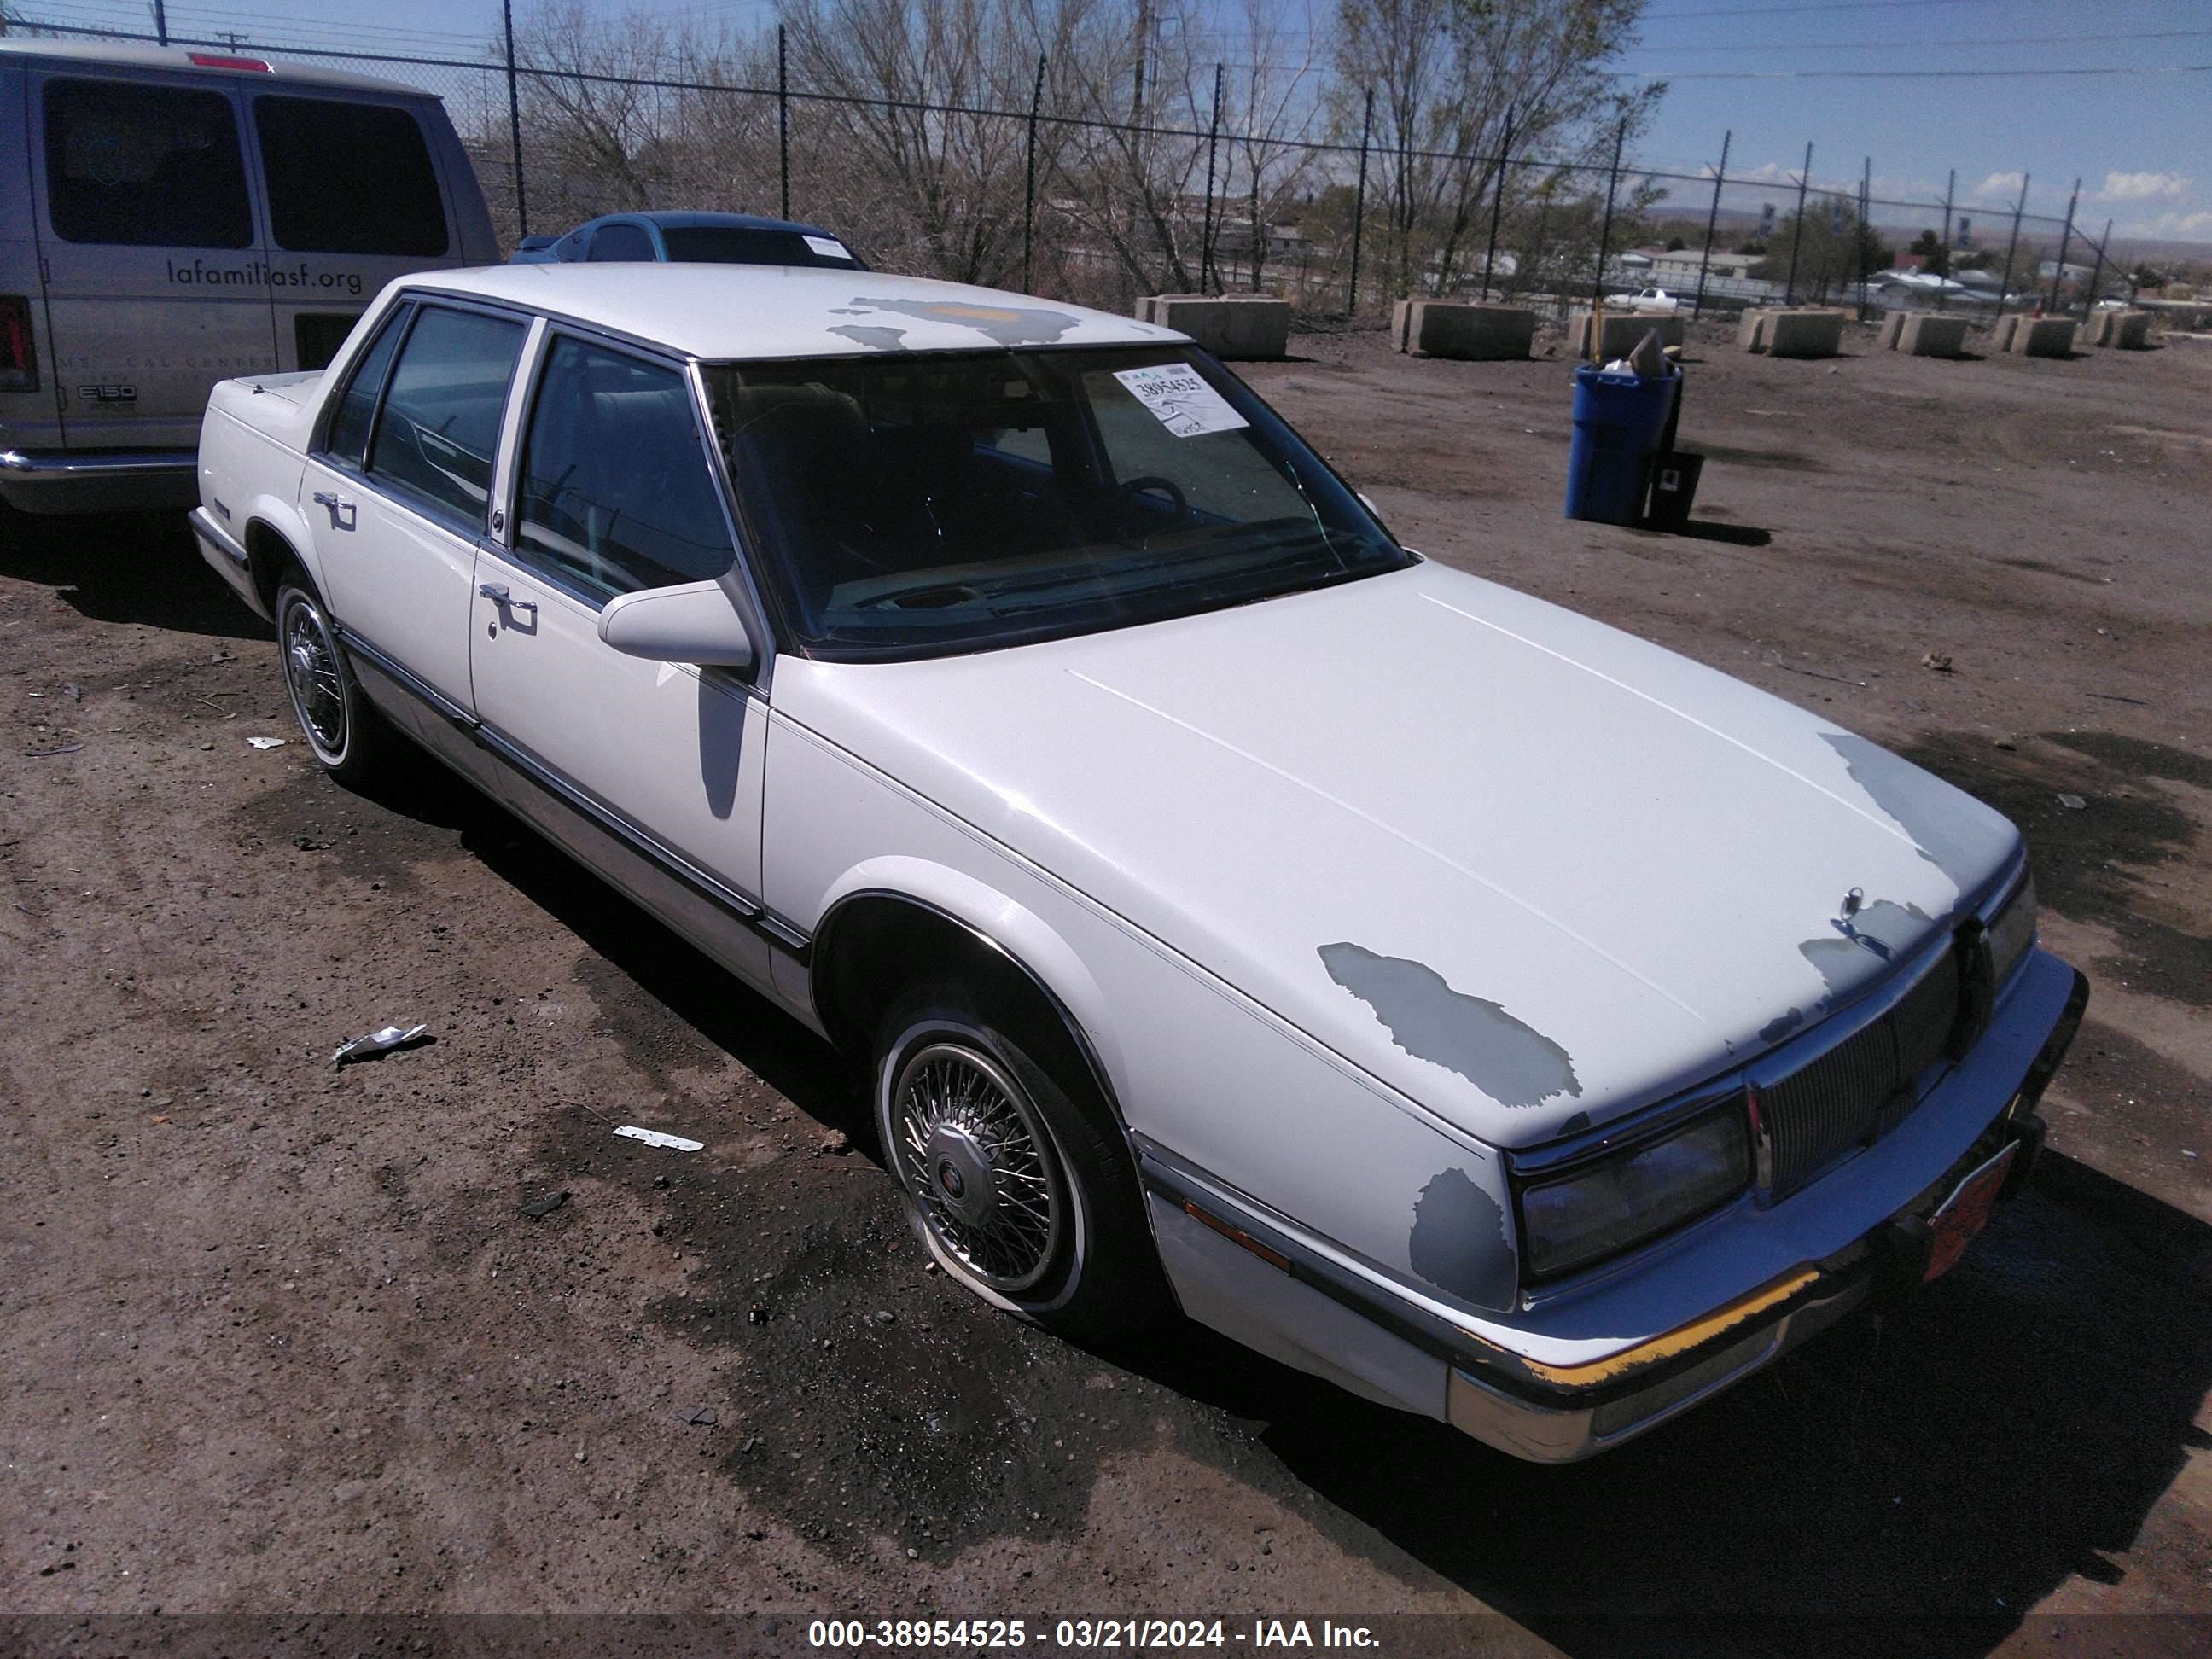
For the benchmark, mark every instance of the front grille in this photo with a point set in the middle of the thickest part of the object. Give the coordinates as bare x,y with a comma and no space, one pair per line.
1859,1088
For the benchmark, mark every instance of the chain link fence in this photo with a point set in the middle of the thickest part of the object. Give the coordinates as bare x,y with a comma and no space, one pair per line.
1061,198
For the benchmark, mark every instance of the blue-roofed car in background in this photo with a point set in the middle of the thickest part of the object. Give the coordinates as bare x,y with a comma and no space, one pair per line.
722,239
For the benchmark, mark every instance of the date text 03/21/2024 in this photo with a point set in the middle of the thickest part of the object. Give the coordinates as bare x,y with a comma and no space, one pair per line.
1083,1634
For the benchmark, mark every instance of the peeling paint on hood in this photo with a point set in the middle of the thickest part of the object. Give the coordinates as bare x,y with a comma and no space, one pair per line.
1508,1059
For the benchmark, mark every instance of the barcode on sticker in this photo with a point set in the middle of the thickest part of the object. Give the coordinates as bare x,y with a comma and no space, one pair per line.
1181,400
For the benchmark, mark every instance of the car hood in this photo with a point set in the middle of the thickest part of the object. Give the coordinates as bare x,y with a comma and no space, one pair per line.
1528,869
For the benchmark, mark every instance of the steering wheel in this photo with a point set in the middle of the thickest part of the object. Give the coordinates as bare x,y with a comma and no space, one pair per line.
1126,494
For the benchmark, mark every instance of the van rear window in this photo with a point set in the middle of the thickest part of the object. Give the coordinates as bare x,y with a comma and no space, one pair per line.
349,178
133,164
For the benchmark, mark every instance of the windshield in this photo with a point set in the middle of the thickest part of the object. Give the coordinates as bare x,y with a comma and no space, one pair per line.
918,504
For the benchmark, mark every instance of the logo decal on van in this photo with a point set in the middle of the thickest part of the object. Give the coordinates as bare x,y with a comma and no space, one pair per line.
259,273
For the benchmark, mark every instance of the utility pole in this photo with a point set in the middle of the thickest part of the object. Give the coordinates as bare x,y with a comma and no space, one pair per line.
1359,205
514,123
1712,224
2065,241
2005,284
162,21
1797,230
1943,254
1497,200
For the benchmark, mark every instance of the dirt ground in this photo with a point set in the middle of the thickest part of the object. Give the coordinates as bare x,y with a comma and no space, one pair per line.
278,1340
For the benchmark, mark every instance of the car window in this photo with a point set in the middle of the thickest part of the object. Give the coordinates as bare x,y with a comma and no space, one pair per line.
615,487
621,242
440,422
346,178
143,166
911,502
756,245
349,434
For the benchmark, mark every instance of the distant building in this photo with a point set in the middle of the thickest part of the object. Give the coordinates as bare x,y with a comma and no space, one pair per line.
1685,261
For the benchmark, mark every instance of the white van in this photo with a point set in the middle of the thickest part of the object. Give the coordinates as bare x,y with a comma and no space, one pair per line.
178,217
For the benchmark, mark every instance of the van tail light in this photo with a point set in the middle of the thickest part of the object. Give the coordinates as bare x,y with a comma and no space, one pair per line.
218,60
19,356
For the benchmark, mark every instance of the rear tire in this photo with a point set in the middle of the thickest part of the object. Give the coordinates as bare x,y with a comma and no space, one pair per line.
349,739
1016,1180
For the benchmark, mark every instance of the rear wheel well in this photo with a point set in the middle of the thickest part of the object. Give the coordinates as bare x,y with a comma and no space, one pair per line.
876,947
268,557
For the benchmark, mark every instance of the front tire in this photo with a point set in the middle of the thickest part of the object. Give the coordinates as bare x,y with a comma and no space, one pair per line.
348,738
1019,1185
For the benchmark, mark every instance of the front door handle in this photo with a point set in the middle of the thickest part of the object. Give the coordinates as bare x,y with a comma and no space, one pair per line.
497,593
341,512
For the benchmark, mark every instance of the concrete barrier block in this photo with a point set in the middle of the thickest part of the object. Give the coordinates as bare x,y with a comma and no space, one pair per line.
1805,333
2134,330
1622,330
1751,330
2097,329
1462,330
2042,336
1892,329
1926,335
2006,326
1236,325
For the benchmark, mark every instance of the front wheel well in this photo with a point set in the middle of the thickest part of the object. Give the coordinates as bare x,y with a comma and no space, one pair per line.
872,948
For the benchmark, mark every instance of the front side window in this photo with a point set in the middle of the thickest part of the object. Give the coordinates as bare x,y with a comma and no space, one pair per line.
440,426
349,434
614,490
134,164
346,178
917,504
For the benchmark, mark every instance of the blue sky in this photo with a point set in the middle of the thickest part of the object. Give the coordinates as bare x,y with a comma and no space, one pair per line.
2142,142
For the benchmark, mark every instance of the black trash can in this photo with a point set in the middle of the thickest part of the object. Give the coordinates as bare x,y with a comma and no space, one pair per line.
1673,489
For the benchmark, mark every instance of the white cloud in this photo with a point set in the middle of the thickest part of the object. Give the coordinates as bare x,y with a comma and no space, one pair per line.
2143,187
2001,184
2174,227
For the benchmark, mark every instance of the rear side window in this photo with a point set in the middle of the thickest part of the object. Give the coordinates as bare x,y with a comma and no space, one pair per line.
349,435
137,165
621,242
615,491
751,245
349,178
440,422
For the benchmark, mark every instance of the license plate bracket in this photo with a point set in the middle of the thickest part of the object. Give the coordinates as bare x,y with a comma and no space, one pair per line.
1966,1212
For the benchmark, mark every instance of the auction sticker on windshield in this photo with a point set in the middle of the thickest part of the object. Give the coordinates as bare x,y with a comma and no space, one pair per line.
1181,400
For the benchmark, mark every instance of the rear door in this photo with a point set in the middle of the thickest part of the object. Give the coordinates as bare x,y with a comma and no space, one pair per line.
355,200
152,253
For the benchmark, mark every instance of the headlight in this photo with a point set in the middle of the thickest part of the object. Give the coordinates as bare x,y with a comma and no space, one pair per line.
2013,932
1640,1191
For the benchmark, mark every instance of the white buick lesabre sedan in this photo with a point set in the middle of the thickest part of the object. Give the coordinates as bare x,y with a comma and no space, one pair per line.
1435,989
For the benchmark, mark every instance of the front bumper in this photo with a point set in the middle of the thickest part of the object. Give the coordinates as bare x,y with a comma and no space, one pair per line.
99,481
1385,1348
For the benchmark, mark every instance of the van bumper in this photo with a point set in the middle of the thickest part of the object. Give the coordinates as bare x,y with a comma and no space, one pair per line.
60,481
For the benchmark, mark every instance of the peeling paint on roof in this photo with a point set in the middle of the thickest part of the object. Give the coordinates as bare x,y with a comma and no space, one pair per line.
876,339
1509,1059
1006,326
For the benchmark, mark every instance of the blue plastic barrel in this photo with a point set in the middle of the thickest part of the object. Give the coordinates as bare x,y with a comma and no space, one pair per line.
1618,421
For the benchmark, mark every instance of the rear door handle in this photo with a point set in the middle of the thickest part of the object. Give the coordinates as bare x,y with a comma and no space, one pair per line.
341,512
497,593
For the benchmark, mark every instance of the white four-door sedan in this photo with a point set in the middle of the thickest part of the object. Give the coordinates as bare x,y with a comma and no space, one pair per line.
1435,989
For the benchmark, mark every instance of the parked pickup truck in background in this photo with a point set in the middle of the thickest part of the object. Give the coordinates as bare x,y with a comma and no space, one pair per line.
179,216
1648,301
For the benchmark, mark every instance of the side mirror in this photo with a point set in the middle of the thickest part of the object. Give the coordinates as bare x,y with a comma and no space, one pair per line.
694,623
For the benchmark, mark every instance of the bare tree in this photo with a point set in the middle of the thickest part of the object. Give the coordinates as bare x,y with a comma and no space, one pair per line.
1273,110
596,139
1445,73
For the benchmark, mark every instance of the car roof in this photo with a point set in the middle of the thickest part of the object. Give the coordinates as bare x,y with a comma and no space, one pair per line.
698,221
179,59
730,312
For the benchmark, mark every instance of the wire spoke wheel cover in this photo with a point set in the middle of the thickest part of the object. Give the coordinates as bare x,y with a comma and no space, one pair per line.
311,675
975,1153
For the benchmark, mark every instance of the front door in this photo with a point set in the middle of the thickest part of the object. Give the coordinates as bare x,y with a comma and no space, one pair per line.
153,256
650,770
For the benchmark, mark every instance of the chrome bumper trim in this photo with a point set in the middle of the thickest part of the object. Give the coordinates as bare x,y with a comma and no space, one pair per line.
100,464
